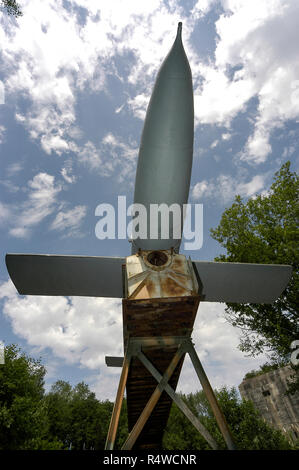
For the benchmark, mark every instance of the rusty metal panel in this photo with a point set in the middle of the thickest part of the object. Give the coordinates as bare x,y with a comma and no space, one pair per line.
159,274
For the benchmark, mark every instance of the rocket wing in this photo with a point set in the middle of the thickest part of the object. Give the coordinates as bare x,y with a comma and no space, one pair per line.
241,282
90,276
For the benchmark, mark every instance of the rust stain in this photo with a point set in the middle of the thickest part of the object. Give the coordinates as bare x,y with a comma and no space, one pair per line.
181,279
151,288
178,264
171,288
147,291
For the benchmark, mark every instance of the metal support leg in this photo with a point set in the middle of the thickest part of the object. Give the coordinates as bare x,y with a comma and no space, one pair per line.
221,421
134,349
179,402
118,402
153,400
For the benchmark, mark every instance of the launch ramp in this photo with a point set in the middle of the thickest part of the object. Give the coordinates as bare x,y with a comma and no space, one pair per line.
158,317
149,327
155,351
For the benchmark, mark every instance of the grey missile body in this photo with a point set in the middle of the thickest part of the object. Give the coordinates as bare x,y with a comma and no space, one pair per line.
166,148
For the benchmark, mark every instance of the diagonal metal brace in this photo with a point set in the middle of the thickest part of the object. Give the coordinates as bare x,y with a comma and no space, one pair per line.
179,402
153,399
184,344
206,386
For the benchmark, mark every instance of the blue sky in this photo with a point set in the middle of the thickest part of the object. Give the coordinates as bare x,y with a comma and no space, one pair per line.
76,77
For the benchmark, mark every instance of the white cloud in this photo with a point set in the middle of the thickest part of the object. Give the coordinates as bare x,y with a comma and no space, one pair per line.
225,187
257,147
13,169
69,221
54,143
202,7
200,189
41,200
139,105
119,154
111,154
220,99
19,232
89,155
77,330
252,187
62,55
67,172
2,134
5,213
226,136
42,192
259,38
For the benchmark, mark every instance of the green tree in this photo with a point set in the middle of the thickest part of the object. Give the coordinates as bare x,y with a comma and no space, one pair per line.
249,430
11,7
265,230
22,413
76,417
86,424
58,409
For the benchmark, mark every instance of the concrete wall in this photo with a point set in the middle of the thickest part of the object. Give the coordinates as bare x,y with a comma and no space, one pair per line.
267,392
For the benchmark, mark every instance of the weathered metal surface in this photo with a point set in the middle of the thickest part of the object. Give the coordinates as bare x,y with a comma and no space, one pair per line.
163,317
166,147
93,276
159,274
98,276
242,282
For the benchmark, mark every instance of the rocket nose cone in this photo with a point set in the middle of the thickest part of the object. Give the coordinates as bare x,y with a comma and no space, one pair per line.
178,39
179,31
176,63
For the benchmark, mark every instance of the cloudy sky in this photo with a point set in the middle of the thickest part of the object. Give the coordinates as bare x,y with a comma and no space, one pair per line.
75,80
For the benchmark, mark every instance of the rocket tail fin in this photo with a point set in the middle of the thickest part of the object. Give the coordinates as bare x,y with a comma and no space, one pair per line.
241,282
90,276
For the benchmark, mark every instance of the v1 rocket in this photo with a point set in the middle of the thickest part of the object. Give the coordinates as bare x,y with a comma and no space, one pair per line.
162,177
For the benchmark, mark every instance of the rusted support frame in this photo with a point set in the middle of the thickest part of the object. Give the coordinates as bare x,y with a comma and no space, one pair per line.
221,421
179,402
110,441
139,425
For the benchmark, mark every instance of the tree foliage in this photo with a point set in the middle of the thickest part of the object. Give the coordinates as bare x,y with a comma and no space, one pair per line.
248,429
21,400
265,230
11,7
71,417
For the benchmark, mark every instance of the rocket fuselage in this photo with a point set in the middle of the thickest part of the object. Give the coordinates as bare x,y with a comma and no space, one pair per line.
166,148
